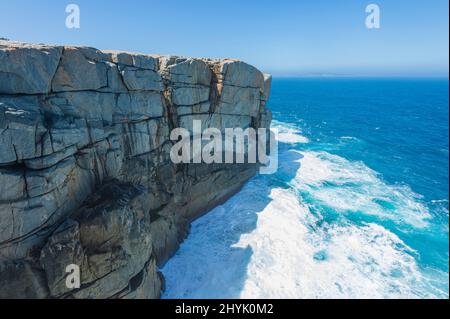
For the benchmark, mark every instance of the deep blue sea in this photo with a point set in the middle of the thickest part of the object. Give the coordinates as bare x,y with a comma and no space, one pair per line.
359,207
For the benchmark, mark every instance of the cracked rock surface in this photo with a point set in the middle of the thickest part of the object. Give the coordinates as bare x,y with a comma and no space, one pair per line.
85,170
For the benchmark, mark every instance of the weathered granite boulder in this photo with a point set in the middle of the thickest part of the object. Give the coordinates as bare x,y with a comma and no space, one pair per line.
85,170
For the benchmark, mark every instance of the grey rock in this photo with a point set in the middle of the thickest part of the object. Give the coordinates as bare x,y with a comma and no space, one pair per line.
240,101
189,71
141,61
241,74
12,184
138,106
185,96
50,160
22,129
26,68
23,281
194,109
267,86
142,79
109,240
85,170
81,69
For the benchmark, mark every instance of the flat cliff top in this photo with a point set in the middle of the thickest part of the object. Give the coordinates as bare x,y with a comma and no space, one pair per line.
39,69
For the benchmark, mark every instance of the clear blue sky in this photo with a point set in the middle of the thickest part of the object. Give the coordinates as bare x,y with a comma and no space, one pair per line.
285,37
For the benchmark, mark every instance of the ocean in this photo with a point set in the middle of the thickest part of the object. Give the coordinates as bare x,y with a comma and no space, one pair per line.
359,207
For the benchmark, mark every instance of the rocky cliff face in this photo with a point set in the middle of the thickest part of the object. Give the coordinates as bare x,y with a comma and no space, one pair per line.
85,172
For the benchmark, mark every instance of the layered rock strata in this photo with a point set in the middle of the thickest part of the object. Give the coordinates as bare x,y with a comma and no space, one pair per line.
85,172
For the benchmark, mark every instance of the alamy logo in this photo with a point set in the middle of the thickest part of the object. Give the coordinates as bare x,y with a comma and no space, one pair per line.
73,279
73,19
230,146
373,19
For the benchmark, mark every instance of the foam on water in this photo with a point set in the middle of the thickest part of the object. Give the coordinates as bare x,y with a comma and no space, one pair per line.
289,134
274,240
292,137
293,258
242,251
352,187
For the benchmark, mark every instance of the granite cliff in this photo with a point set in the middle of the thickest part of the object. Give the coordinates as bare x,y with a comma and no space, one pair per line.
85,172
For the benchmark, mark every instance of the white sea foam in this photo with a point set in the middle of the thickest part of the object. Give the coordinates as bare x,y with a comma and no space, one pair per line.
244,250
266,243
347,186
292,138
291,261
289,134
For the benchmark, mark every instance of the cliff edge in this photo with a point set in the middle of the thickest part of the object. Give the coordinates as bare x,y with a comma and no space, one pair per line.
85,172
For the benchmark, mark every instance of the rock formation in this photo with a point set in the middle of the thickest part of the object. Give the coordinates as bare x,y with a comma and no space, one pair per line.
85,172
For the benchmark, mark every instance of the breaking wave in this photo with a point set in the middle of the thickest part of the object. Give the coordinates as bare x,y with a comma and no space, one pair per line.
321,227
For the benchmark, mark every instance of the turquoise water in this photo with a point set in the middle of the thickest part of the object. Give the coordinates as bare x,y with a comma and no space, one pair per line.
358,208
